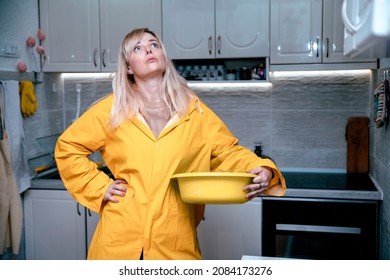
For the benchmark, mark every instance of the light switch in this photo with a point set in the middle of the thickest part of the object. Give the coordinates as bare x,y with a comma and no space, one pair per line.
8,50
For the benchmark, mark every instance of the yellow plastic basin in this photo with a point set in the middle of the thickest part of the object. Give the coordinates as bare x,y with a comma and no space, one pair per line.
213,187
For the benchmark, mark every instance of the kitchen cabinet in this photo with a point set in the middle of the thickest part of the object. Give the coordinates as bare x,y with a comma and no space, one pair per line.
215,29
57,227
307,31
90,40
230,231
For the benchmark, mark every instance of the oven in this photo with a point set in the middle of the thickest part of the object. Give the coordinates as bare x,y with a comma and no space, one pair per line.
320,226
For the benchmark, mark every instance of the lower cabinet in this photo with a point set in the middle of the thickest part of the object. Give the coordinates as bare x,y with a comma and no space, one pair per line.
56,226
230,231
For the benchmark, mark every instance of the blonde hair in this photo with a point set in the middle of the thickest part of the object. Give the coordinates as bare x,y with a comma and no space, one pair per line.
174,89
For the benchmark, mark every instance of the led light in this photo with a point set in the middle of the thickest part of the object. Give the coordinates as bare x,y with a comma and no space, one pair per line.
86,75
335,73
230,84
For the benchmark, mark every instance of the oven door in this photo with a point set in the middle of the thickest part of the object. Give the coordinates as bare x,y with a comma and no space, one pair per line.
320,229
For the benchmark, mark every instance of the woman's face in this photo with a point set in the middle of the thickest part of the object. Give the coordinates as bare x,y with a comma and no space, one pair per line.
146,59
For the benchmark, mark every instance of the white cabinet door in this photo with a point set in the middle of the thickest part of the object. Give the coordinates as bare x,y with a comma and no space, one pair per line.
333,35
242,28
72,35
54,226
296,29
216,29
119,17
188,28
307,31
230,231
85,36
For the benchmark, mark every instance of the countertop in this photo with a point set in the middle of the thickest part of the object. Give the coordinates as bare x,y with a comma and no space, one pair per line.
47,184
299,185
331,185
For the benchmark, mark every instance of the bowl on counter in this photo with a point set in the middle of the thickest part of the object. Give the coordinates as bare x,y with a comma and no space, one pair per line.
213,187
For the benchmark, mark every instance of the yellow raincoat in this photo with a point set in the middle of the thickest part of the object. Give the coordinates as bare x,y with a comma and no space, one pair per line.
151,217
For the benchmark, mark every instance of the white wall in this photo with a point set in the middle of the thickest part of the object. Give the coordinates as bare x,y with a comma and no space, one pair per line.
18,20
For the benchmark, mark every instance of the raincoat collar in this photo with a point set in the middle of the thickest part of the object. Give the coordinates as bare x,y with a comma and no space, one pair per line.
174,121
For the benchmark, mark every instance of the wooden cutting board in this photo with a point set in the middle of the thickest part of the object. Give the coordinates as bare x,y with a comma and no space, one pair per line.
357,136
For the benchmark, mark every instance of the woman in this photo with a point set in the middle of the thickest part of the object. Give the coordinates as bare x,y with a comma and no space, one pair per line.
151,127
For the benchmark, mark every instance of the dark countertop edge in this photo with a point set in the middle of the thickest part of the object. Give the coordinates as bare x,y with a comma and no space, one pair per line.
334,194
47,184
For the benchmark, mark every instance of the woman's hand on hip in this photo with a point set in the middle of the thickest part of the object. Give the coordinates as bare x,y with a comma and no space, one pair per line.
115,189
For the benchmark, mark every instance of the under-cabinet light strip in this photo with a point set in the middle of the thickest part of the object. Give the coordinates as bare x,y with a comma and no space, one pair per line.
335,73
226,84
87,75
237,84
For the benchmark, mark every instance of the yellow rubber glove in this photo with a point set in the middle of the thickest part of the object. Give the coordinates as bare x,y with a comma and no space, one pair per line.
28,100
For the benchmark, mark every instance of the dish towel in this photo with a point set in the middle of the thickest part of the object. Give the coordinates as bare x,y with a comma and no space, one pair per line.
11,211
14,128
381,103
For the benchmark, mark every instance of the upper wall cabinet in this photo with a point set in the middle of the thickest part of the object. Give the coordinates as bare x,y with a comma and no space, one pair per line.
307,31
207,29
85,36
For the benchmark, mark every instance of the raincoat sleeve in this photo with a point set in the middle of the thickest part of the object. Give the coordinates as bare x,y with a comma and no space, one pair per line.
81,176
228,156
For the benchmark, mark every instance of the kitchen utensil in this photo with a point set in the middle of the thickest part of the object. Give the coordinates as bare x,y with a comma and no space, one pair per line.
213,187
357,136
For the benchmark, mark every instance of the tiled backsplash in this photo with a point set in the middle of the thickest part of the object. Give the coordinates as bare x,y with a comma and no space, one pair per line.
299,117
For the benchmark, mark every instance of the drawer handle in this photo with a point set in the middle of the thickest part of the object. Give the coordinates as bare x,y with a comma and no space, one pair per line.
78,209
314,228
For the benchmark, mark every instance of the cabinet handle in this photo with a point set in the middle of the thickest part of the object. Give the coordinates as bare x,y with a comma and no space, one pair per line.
210,44
89,213
318,46
103,60
94,57
327,46
219,44
78,209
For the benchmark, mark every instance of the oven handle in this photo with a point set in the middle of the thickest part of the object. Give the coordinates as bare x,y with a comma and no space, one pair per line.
314,228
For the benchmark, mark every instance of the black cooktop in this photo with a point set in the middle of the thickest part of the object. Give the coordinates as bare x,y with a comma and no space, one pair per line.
329,181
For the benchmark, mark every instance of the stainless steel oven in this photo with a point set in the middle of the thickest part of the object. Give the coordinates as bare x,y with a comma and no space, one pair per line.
320,229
